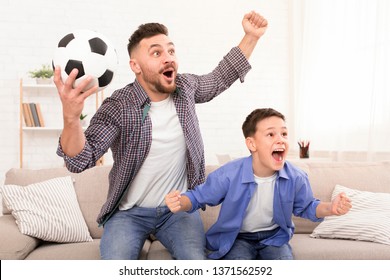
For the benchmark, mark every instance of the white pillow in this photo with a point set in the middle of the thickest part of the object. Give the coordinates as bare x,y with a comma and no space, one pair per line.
47,210
368,219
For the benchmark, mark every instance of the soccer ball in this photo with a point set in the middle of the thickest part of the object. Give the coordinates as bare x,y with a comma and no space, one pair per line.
91,53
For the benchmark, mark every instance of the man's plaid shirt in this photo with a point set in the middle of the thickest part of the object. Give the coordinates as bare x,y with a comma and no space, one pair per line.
122,124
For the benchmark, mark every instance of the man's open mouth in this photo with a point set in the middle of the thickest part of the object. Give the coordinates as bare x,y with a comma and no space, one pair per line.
168,74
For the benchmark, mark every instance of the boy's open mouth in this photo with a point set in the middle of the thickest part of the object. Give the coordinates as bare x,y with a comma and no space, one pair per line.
278,154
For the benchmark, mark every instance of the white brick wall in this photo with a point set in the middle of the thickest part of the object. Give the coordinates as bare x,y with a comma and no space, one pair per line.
203,32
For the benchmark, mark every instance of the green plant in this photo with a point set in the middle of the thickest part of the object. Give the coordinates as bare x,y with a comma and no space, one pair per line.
82,116
46,71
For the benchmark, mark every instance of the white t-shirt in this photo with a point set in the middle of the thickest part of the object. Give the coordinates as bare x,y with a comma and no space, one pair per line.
164,168
259,214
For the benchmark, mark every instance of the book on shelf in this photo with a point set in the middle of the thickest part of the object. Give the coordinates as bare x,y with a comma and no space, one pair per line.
40,116
34,114
30,114
27,114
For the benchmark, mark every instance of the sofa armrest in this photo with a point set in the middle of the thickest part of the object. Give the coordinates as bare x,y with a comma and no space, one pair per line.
13,244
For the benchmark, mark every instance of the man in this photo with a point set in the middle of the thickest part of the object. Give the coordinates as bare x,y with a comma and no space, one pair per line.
152,129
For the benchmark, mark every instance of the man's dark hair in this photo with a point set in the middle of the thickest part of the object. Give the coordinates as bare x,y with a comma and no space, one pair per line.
251,121
146,30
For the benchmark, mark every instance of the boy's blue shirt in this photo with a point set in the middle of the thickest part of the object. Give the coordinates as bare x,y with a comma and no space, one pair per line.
233,185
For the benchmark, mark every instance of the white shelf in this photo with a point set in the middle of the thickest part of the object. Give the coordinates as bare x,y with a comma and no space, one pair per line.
31,92
39,86
44,128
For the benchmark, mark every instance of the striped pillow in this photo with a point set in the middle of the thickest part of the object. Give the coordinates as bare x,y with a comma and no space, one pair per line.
47,210
368,219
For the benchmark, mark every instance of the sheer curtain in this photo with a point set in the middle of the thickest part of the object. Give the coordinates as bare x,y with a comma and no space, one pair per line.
341,76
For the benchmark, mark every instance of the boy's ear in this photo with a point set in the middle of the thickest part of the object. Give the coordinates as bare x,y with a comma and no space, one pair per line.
250,144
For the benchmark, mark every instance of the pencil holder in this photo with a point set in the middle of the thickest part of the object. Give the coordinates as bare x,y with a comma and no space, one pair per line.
304,152
304,148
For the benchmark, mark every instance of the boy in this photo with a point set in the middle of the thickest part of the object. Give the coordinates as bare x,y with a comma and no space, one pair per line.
259,194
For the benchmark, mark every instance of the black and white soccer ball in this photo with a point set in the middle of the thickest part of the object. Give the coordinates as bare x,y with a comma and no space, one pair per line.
91,53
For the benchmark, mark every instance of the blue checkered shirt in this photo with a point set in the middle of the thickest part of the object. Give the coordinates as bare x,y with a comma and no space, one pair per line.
122,124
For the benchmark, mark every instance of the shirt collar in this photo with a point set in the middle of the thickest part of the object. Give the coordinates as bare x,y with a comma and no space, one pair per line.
247,174
283,172
141,97
247,170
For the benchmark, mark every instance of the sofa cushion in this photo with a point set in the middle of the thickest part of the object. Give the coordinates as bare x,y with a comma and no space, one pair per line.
304,225
306,248
209,216
13,244
325,175
66,251
91,188
157,251
368,219
48,210
74,251
24,177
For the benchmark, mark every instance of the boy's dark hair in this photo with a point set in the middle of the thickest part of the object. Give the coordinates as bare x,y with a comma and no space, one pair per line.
250,123
146,30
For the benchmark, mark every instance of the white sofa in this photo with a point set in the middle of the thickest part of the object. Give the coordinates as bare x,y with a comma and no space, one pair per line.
91,189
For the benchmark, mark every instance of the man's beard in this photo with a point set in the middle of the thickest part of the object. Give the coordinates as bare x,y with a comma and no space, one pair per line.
164,89
154,80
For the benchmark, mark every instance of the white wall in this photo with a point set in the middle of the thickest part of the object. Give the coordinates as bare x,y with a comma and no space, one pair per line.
203,31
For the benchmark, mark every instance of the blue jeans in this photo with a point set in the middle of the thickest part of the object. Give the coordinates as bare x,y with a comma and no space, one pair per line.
126,231
247,246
